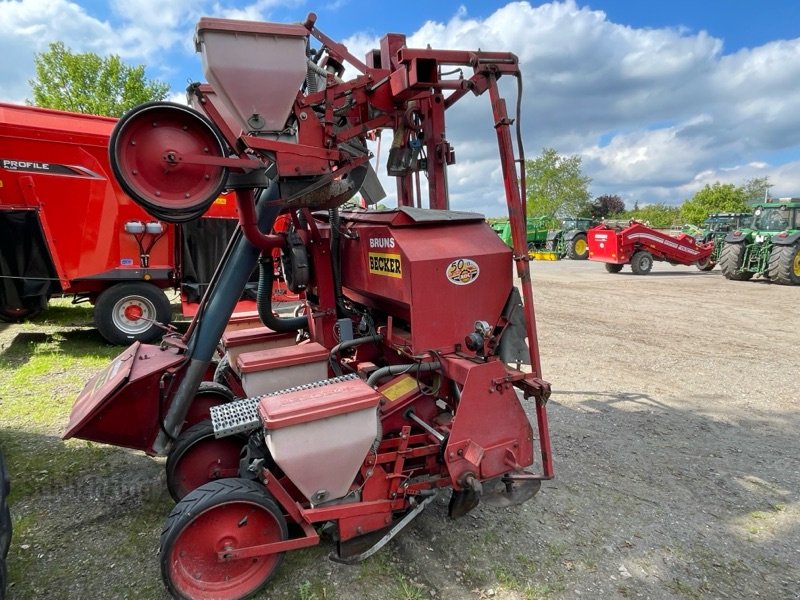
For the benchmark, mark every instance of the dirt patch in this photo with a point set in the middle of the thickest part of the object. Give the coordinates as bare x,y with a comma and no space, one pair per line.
674,423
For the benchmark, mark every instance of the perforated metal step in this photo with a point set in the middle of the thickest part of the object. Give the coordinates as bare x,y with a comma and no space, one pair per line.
242,415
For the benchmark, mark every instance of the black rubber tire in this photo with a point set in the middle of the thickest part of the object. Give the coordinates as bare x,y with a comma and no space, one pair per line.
575,253
208,394
784,265
223,370
110,308
613,267
237,497
188,446
730,260
5,523
33,307
641,262
708,265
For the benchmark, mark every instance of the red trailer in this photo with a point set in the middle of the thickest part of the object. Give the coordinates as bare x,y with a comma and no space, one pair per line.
66,227
639,245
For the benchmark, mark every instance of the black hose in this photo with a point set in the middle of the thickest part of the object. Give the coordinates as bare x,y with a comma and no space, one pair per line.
264,302
396,369
350,344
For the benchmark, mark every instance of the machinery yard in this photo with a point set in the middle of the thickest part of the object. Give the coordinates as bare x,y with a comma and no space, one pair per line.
673,421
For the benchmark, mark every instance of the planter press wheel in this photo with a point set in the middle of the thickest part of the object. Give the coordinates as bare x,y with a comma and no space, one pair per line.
222,515
198,457
208,394
151,150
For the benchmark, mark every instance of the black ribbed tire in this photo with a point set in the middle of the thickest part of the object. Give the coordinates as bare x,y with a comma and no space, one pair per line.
613,267
784,265
730,260
128,312
577,248
641,262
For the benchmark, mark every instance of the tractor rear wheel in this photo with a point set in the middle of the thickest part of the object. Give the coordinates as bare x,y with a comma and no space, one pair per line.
641,262
128,312
730,261
578,249
784,265
222,515
613,267
198,457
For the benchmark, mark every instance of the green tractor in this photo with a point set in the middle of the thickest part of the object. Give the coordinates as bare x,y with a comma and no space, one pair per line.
570,240
536,234
769,246
715,228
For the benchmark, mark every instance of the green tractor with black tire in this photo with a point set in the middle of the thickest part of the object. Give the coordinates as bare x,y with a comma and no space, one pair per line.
769,247
715,229
570,240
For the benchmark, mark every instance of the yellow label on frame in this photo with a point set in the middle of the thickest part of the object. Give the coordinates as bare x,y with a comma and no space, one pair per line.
387,265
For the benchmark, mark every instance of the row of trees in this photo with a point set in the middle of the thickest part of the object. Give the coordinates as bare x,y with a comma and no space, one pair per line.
556,187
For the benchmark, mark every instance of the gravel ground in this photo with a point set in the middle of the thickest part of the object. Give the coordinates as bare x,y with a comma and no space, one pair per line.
674,423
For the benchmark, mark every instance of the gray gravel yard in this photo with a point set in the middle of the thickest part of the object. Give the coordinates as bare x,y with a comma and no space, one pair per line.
674,423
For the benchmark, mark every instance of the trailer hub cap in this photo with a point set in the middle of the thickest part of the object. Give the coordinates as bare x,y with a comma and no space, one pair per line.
133,314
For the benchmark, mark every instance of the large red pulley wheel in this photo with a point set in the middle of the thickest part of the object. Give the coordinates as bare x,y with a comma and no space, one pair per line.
224,515
162,155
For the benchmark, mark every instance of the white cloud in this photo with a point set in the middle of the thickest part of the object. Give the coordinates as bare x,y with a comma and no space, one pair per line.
654,113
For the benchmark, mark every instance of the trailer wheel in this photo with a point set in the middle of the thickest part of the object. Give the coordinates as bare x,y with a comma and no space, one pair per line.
731,260
128,312
221,515
706,265
578,249
613,267
784,265
198,458
641,262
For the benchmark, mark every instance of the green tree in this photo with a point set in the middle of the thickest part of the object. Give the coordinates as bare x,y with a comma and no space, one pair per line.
756,189
660,216
719,197
88,83
556,187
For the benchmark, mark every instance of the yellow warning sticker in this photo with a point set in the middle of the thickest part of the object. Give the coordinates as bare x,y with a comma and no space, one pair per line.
387,265
221,200
400,388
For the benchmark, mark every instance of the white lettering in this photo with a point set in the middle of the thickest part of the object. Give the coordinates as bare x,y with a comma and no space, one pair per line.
386,242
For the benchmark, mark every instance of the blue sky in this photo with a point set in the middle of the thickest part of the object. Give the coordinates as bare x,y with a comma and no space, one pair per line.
658,98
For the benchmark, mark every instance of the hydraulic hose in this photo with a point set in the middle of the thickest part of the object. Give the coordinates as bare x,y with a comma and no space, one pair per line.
264,302
351,344
397,369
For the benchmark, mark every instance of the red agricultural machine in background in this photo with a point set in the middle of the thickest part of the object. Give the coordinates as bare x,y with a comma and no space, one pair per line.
401,376
636,244
66,227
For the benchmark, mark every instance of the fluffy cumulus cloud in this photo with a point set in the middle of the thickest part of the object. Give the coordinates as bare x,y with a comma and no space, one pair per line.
655,114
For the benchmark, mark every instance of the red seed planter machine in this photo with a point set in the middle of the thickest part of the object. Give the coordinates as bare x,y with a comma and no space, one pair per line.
401,375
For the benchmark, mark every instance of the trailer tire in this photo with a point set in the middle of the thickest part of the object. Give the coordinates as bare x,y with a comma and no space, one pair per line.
730,260
641,262
578,249
784,265
203,522
706,265
128,312
613,267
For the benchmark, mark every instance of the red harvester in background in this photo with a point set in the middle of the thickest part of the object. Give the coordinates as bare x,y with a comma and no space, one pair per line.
639,245
402,376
